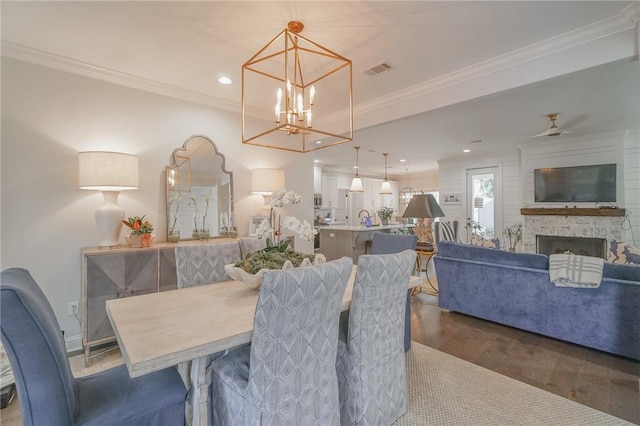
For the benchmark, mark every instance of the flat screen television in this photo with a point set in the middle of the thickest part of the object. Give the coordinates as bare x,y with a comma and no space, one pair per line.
579,184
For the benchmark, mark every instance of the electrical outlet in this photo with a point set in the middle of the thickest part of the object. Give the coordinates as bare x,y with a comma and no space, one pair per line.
72,309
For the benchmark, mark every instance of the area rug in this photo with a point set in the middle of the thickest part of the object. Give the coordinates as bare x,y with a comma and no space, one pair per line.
445,390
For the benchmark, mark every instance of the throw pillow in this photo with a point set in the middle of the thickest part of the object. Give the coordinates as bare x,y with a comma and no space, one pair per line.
477,240
447,232
622,253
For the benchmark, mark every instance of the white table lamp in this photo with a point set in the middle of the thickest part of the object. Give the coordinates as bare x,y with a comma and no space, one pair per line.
265,182
110,173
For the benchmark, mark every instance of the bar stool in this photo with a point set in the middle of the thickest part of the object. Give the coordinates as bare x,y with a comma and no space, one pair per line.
367,246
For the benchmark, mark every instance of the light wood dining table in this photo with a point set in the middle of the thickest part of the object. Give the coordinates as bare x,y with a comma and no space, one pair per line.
182,327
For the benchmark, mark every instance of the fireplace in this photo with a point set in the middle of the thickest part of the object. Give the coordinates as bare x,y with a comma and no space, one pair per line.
600,224
554,244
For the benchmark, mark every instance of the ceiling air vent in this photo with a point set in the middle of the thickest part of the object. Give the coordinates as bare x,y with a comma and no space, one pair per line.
379,69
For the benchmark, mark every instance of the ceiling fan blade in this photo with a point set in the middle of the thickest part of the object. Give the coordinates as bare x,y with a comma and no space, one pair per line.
551,133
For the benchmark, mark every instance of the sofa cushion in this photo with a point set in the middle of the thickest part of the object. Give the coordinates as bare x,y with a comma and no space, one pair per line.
482,254
621,272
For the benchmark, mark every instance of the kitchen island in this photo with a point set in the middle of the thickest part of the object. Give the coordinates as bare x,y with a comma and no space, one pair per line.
337,241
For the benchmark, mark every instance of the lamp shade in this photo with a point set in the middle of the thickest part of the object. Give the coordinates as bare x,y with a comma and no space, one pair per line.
107,171
266,181
386,188
356,185
423,206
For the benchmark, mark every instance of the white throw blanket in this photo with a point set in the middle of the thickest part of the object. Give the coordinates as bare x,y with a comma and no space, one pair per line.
569,270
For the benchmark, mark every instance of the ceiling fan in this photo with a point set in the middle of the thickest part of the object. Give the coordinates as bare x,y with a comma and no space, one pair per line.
553,130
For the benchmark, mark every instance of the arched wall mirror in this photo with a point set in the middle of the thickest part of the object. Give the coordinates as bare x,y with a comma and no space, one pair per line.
199,192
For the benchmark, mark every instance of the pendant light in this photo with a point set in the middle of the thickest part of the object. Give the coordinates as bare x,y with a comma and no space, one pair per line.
406,192
356,183
386,186
294,69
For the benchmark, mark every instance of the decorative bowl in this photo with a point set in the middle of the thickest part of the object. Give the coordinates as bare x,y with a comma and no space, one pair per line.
255,280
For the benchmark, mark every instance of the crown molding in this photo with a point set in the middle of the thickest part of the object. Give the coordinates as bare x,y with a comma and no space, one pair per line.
632,12
61,63
604,28
624,21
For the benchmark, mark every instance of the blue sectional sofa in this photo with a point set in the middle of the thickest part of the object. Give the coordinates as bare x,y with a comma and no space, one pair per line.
514,289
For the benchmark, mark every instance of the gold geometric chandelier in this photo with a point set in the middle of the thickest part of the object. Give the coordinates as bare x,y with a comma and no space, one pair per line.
296,95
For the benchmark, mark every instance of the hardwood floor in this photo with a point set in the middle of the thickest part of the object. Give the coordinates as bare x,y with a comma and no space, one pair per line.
599,380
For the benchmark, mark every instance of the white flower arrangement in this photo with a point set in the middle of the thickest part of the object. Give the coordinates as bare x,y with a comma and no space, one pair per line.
272,223
283,197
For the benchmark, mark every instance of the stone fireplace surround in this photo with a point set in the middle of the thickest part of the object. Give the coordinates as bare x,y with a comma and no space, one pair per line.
607,225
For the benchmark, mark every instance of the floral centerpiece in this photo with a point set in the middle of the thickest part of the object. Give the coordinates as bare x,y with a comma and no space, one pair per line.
277,254
385,214
140,231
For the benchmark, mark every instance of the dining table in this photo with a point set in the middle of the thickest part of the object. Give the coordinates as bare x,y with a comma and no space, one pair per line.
183,327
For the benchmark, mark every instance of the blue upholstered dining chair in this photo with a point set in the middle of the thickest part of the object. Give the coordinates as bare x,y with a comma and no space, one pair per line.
200,264
287,376
371,363
47,391
384,243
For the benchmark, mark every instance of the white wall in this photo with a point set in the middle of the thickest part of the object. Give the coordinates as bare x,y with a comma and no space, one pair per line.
420,182
49,116
453,178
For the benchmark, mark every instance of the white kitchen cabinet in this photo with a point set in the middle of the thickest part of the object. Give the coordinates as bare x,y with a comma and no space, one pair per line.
329,192
392,200
317,180
372,197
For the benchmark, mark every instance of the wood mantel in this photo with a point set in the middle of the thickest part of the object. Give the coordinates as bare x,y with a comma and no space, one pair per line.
572,211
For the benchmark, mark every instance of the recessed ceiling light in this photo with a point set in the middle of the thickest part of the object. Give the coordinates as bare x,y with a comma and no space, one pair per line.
318,142
224,80
402,160
466,150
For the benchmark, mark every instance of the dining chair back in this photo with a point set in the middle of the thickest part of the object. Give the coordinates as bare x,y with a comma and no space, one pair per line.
384,243
447,231
48,392
371,363
287,376
198,264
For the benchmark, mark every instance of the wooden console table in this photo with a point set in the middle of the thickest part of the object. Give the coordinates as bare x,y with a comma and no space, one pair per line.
566,211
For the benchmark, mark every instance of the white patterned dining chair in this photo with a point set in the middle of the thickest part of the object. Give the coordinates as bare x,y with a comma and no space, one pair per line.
198,264
287,376
384,243
371,363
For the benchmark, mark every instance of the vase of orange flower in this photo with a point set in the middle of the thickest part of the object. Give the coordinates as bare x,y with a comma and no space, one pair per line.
140,232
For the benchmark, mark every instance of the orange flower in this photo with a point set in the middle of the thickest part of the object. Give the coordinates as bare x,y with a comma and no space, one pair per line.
138,225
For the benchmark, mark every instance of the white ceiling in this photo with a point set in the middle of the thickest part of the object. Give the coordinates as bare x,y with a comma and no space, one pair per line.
464,71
